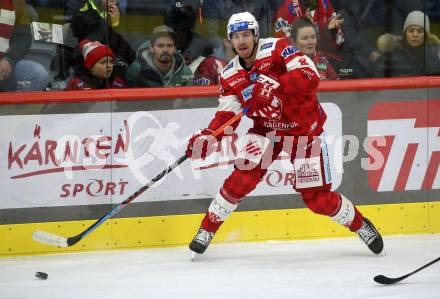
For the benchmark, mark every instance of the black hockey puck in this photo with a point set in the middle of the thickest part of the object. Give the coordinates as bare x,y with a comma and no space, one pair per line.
41,275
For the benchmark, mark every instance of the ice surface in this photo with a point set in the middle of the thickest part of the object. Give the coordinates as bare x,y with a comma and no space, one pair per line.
330,268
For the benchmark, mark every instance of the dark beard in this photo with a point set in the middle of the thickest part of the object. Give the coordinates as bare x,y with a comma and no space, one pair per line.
165,58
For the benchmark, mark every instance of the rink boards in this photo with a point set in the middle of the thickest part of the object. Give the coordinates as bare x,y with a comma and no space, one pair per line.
63,165
178,230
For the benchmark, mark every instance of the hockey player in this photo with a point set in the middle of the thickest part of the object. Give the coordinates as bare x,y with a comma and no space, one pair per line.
277,85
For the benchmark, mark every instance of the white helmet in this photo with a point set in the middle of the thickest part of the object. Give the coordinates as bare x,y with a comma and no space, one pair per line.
242,21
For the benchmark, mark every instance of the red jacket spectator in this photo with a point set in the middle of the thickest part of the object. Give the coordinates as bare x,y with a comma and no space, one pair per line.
208,71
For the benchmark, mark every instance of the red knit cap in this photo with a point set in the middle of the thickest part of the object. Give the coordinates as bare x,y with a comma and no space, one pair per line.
94,51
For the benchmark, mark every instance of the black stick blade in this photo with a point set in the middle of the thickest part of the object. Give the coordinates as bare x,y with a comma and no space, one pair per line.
382,279
386,280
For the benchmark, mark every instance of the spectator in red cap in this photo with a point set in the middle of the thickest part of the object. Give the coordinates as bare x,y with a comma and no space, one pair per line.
97,72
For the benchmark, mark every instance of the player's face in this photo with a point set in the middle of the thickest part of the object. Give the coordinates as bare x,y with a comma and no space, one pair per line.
415,35
306,40
243,42
163,50
103,68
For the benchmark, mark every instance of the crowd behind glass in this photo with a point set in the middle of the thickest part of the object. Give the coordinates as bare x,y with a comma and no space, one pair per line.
138,43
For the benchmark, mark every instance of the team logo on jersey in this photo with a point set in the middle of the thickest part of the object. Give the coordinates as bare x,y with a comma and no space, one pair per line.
290,50
229,66
237,81
308,173
266,46
253,77
265,64
247,92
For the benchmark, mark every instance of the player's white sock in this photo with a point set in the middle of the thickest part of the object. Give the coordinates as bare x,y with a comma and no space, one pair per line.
220,208
346,212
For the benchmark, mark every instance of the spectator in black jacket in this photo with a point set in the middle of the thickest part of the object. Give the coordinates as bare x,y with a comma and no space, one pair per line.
416,53
91,23
182,18
216,14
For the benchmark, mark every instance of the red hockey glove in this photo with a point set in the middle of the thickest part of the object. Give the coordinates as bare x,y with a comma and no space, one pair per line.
264,103
200,144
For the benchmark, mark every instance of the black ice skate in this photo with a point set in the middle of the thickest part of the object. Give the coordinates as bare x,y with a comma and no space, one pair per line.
371,237
201,241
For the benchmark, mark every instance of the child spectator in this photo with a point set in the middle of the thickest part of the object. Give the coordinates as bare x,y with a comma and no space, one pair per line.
303,35
416,53
97,72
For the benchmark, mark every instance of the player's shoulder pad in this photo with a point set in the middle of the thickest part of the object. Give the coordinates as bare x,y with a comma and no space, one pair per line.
266,46
230,69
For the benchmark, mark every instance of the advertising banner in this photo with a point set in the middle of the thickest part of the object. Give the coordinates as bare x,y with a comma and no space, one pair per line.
410,147
100,158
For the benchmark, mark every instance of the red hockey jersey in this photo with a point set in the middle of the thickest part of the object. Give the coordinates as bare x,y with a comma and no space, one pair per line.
297,110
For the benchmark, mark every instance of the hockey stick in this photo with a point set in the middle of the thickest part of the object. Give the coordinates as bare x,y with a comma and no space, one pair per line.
387,280
51,239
